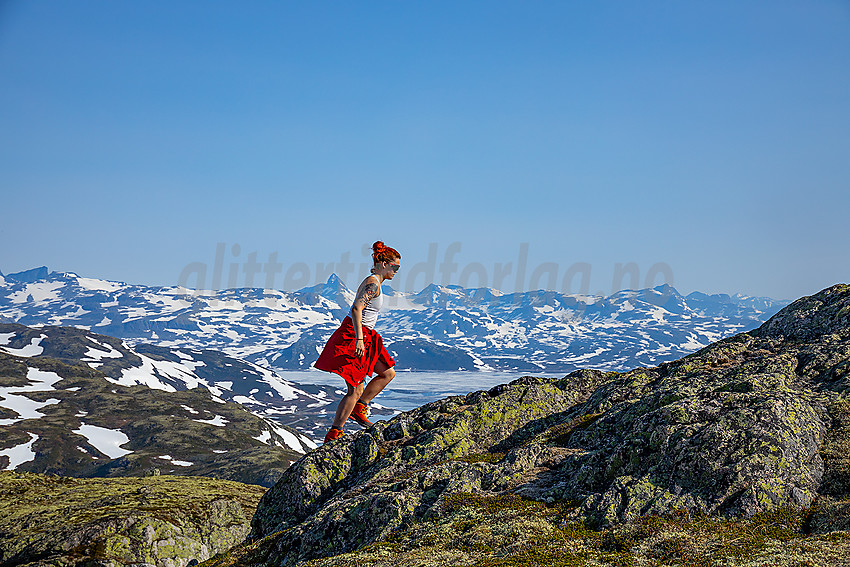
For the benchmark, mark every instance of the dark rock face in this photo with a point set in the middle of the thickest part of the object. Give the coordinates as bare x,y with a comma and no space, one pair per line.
746,426
27,276
425,355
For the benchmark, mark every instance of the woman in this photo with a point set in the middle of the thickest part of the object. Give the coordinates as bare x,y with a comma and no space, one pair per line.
355,350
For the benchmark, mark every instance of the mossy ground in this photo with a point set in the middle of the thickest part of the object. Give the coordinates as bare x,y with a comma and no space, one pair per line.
509,531
70,519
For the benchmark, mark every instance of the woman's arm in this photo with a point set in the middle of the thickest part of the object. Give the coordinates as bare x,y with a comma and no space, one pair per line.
367,292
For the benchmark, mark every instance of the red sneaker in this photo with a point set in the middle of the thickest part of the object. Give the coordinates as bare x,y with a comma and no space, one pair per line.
360,414
334,433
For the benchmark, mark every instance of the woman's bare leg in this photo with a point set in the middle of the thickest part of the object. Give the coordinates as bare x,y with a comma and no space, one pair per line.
346,404
385,374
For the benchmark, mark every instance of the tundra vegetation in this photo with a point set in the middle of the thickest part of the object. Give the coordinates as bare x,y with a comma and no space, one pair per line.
158,520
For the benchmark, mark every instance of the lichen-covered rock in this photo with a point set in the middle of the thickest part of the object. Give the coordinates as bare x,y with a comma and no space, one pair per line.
363,486
703,443
745,428
160,521
819,318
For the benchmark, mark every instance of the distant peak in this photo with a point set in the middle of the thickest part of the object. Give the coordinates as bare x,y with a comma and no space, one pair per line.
28,276
334,289
335,282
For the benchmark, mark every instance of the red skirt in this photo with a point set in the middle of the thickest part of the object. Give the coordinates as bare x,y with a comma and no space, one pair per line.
338,355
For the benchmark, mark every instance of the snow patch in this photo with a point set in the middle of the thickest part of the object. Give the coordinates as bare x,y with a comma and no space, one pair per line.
32,349
284,389
218,421
294,442
11,397
106,350
20,454
37,292
264,437
107,441
174,461
99,285
150,372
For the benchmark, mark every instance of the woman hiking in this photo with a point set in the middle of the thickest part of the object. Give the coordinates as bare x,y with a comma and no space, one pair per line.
355,350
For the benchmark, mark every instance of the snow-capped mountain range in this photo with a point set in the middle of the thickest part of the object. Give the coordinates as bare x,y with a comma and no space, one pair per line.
79,403
439,328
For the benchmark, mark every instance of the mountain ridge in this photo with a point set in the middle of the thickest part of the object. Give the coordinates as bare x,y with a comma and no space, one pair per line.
437,328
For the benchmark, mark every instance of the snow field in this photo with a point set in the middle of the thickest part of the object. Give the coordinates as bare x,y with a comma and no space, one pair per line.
107,441
13,398
40,292
32,349
20,454
218,421
93,356
174,461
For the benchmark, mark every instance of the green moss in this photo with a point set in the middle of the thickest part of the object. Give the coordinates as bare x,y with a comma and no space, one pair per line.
505,530
491,504
119,519
482,458
560,434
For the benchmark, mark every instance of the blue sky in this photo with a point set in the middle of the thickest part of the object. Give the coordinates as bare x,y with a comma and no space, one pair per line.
700,143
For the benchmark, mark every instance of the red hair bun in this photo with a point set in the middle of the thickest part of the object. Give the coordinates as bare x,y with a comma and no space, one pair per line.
383,253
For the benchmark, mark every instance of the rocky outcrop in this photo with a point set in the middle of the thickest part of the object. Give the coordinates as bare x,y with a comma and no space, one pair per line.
749,426
158,521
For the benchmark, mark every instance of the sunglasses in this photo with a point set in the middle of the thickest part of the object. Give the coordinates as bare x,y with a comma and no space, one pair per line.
394,267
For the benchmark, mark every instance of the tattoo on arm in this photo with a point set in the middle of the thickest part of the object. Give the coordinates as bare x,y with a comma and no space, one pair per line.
366,295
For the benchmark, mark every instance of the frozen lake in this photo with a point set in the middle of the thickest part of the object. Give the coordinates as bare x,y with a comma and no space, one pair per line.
409,390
